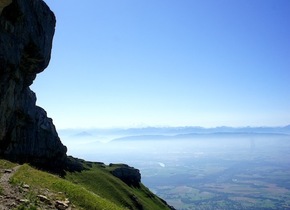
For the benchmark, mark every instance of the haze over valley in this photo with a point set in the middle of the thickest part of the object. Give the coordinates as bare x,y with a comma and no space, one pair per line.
113,68
195,167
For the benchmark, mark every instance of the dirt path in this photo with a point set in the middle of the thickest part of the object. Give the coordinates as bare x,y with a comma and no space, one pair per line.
10,196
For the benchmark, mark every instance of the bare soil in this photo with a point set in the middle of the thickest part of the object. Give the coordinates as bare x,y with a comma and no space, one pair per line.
13,196
10,196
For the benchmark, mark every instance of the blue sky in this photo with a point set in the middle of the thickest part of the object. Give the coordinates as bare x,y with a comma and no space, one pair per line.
132,63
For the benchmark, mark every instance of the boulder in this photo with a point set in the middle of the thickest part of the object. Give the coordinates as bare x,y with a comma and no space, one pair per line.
131,176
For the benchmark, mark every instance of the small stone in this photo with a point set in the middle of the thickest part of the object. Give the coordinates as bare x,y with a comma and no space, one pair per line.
10,197
13,204
26,186
67,201
61,205
8,171
23,200
43,198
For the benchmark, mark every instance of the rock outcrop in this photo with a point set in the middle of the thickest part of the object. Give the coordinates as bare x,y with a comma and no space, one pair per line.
26,133
131,176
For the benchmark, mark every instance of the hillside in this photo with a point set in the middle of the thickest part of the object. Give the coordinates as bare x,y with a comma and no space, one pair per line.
24,187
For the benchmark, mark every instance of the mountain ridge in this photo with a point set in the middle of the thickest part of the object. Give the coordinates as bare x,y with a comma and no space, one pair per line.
197,136
117,133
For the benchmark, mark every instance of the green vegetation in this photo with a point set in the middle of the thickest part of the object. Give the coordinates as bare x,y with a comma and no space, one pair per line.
93,188
4,164
99,180
76,193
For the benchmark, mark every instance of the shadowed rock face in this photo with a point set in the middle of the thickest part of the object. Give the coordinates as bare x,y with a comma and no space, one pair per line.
26,133
127,174
4,3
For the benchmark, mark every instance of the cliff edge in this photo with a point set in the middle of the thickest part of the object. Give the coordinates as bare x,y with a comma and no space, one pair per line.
26,133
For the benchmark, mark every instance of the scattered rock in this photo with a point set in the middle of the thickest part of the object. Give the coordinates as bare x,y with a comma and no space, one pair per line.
26,186
13,204
44,199
10,197
8,171
24,201
62,205
67,201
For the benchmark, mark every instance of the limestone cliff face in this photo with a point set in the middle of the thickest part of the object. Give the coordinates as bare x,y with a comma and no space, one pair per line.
26,133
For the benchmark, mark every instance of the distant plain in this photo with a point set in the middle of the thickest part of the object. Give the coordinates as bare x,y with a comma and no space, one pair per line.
204,171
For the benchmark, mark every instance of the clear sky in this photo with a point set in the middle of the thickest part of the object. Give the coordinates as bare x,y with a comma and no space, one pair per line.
132,63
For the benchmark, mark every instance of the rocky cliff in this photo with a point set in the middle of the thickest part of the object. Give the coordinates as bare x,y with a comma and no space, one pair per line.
26,133
131,176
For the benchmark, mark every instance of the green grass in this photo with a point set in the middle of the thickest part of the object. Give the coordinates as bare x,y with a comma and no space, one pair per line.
4,164
77,194
93,188
98,179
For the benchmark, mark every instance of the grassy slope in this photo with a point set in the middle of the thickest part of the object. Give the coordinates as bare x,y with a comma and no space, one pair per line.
94,188
98,180
4,164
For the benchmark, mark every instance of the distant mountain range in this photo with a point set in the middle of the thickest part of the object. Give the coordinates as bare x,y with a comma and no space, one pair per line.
202,130
172,132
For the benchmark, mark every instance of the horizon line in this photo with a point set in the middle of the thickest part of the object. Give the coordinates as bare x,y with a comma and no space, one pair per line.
168,126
